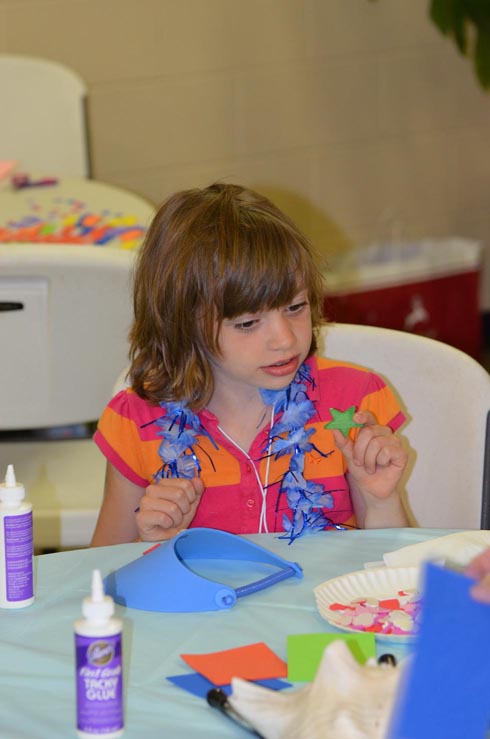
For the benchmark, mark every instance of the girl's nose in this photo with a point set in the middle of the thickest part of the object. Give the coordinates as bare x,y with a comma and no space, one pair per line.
281,335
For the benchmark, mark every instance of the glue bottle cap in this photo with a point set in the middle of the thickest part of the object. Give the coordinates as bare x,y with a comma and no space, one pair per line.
97,606
11,491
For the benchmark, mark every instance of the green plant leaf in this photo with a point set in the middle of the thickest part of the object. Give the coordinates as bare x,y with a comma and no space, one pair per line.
482,57
467,22
478,11
450,17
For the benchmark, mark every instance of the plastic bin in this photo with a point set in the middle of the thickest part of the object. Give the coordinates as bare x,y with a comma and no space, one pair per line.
429,287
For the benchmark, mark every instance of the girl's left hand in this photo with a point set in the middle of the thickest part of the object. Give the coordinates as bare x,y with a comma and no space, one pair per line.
479,568
375,460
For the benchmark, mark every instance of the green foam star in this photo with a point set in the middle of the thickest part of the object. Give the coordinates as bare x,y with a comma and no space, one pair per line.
343,420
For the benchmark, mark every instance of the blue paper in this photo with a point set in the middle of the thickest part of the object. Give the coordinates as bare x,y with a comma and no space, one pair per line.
199,685
447,688
196,684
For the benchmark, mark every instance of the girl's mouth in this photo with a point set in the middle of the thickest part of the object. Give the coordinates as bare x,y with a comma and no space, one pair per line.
280,369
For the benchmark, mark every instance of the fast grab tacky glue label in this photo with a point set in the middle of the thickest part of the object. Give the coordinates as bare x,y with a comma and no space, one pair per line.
99,684
17,532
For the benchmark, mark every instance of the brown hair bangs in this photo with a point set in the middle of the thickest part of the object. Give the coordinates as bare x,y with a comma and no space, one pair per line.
210,254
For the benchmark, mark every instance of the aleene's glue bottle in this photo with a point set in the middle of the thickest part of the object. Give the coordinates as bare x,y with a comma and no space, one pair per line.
99,666
16,545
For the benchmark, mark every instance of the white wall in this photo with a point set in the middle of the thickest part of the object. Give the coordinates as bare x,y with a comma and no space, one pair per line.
347,112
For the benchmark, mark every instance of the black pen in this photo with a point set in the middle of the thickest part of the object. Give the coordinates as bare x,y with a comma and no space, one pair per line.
217,698
9,305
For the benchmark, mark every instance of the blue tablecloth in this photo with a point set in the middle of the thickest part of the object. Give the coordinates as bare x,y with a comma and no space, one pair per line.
37,686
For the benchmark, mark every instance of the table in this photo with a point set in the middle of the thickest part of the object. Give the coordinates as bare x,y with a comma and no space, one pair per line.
66,347
36,644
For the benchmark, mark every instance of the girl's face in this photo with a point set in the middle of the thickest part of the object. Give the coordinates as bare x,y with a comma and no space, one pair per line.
263,350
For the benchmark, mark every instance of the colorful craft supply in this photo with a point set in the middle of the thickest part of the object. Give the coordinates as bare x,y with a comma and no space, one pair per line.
199,686
305,652
393,615
251,662
343,420
69,221
20,181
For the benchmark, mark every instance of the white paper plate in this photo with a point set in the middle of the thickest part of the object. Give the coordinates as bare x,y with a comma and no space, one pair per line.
382,583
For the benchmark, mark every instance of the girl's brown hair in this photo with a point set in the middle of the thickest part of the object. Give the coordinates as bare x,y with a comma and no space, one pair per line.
210,254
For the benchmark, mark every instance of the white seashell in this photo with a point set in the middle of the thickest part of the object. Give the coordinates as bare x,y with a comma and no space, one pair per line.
345,701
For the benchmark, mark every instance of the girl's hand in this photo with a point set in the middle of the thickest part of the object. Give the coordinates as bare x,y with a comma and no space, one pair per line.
479,568
375,461
168,507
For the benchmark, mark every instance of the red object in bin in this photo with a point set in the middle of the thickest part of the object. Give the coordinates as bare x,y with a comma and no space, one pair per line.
444,308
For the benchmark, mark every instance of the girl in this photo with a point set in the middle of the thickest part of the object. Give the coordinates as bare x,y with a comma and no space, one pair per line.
223,424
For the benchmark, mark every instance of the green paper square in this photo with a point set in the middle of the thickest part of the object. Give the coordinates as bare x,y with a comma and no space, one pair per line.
305,651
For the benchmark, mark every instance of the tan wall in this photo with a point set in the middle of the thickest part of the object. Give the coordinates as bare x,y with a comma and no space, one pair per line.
349,113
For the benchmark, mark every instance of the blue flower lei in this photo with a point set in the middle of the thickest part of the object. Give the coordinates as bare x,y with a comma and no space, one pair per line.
305,498
180,427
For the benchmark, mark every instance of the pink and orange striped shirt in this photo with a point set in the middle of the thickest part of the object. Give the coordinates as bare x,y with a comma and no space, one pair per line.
232,500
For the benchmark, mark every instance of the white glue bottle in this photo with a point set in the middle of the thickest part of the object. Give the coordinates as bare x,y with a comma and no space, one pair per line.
99,666
16,545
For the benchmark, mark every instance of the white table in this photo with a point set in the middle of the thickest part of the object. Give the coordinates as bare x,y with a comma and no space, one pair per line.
37,653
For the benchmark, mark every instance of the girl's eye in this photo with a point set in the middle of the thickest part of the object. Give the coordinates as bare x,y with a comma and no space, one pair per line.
246,325
296,307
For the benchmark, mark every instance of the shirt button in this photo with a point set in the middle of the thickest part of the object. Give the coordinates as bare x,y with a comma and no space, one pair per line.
248,468
250,502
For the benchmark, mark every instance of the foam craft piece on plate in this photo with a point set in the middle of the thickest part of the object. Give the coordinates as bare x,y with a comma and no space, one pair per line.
385,601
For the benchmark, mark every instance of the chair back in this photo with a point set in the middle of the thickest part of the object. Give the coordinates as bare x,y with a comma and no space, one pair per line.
446,396
43,122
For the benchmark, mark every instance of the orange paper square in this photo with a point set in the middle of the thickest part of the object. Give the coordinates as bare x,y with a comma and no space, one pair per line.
253,662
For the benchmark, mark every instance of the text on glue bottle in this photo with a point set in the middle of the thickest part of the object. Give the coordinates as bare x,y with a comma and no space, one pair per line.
99,666
16,545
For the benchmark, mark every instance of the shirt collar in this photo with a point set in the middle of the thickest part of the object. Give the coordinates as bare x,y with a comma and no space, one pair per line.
313,390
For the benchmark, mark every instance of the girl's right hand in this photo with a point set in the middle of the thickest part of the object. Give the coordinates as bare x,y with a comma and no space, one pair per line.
168,507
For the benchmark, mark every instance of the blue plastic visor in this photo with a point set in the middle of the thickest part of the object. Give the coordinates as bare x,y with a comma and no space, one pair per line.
162,579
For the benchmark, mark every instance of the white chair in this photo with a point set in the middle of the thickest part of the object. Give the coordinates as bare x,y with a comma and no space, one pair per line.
446,396
43,121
